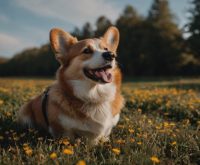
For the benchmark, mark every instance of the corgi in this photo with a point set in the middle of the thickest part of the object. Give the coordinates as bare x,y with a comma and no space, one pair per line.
85,100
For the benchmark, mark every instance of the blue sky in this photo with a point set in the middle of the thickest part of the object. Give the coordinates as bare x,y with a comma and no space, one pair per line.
26,23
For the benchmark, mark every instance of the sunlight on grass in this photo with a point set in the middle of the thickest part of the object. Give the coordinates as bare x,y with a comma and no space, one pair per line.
159,125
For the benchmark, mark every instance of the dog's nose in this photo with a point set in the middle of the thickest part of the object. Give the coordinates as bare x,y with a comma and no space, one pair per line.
108,56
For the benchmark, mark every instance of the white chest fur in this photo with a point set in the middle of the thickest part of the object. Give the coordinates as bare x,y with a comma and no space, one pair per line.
97,106
88,92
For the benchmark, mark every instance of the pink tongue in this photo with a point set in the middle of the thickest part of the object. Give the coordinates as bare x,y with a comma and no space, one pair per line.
105,75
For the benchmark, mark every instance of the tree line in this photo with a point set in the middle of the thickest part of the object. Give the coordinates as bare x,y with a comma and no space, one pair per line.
149,46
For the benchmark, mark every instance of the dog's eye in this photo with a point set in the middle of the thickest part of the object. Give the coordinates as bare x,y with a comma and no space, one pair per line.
87,51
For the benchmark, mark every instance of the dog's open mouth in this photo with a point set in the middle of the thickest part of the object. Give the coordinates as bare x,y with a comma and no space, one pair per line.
102,74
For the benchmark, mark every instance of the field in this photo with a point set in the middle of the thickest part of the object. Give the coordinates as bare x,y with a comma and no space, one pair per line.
160,124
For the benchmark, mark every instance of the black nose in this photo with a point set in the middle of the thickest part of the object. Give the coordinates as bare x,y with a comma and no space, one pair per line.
109,56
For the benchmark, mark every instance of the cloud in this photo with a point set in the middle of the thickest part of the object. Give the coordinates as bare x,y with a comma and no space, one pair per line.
4,18
10,44
75,12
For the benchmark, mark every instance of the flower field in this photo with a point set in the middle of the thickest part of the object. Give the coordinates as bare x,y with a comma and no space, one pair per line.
160,124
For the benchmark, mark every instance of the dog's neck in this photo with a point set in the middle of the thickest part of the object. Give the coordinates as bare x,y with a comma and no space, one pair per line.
89,92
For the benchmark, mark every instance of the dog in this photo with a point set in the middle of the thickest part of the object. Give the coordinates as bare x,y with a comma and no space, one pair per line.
85,100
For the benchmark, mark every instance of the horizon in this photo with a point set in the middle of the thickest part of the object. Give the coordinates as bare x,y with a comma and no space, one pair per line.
25,24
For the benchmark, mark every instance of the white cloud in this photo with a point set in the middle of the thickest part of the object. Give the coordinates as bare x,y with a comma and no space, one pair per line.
75,12
10,44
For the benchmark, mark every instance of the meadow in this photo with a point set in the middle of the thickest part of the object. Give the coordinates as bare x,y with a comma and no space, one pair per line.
160,124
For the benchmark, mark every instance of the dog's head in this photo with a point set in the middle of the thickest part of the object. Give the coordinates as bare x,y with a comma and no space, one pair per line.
89,59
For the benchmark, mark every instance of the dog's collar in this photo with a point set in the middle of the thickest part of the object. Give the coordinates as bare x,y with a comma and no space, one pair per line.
44,105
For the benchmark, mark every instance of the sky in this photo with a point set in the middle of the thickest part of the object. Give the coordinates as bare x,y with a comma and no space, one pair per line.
26,23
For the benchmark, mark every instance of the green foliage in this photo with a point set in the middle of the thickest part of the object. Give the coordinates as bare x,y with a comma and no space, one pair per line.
31,62
156,125
102,25
194,28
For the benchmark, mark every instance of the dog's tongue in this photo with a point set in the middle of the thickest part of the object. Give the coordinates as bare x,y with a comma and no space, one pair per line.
105,75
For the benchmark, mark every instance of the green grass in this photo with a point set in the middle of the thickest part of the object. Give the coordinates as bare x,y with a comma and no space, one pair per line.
161,120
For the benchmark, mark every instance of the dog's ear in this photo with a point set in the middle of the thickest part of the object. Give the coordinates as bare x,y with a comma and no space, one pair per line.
111,38
61,42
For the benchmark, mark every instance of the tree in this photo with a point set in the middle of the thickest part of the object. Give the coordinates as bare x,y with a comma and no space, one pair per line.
102,25
77,33
194,28
162,17
87,31
129,24
164,49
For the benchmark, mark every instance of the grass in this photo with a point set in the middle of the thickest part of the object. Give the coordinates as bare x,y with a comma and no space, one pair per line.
159,125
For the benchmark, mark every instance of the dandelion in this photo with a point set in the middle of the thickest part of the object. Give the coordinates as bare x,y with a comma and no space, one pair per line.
172,124
116,151
174,143
65,142
132,140
53,155
120,141
166,124
131,130
68,152
8,114
29,152
155,159
1,102
139,143
81,162
126,118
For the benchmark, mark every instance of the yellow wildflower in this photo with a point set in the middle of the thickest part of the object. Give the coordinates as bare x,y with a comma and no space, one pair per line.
155,159
132,140
173,143
120,141
126,118
53,155
139,143
81,162
116,151
131,130
172,124
29,152
8,114
68,152
1,102
166,124
65,142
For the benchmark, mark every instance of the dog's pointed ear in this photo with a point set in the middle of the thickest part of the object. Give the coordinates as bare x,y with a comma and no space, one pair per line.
61,42
111,38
